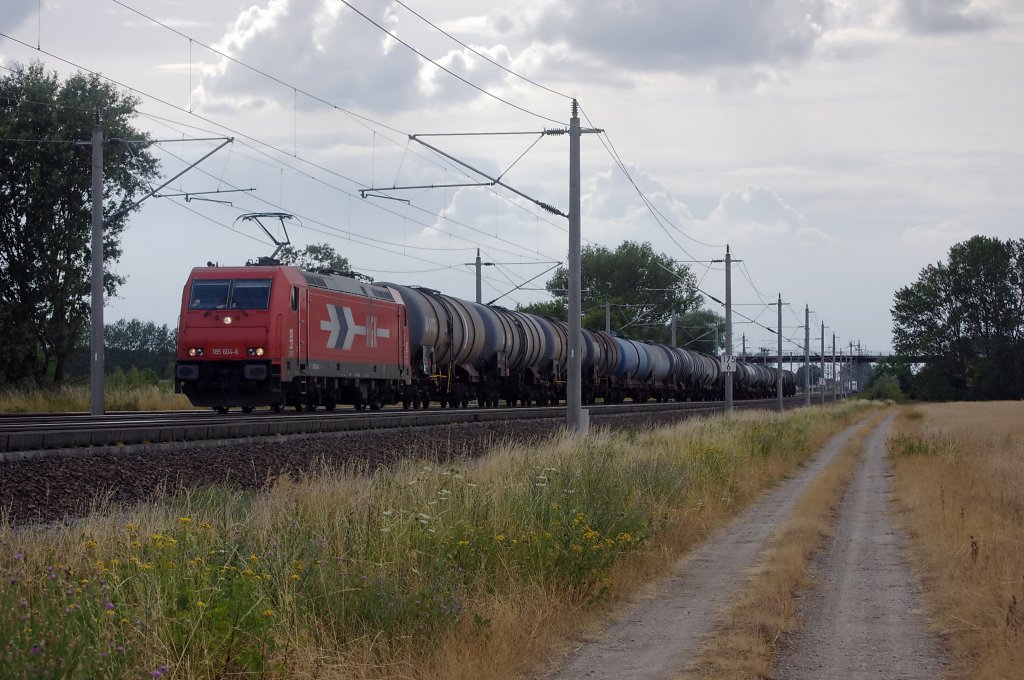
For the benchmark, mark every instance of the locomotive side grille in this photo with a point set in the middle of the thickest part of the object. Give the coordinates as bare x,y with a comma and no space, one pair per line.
316,281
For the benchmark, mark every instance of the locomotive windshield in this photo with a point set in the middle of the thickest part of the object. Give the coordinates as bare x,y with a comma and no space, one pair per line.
230,294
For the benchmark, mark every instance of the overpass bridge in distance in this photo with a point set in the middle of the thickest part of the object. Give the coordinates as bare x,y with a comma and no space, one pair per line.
815,358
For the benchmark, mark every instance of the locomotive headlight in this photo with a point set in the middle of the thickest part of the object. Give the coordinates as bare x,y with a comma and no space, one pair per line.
195,351
227,320
259,351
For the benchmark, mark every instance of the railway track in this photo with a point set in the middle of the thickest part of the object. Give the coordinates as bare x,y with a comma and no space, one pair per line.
141,456
27,436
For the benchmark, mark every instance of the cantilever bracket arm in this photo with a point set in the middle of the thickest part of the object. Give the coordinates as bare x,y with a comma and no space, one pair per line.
493,180
135,204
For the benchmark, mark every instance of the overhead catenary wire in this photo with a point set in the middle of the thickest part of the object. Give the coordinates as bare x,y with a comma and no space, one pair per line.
446,70
279,162
480,54
279,150
610,148
243,136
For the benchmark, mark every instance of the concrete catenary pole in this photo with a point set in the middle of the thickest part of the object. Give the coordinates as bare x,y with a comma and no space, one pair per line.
573,395
834,381
727,359
96,406
822,362
479,278
807,355
672,339
778,383
607,316
850,371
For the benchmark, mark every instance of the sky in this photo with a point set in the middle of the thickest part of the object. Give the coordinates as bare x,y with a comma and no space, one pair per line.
837,146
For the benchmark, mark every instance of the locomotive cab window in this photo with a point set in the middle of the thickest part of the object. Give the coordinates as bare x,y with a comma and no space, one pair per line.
250,294
230,294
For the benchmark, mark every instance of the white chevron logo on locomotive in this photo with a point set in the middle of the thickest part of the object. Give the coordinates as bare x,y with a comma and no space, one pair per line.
344,329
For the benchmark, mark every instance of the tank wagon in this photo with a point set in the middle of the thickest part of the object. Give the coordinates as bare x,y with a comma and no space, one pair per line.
273,335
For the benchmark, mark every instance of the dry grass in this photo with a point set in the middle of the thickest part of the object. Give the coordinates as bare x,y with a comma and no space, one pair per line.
74,398
744,646
960,487
465,571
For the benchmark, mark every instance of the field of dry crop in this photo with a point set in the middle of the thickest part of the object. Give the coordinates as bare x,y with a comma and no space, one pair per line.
959,480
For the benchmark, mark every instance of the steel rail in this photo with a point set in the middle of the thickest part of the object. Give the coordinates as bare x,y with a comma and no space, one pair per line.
34,435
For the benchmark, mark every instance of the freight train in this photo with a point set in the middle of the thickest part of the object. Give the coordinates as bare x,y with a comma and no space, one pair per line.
277,336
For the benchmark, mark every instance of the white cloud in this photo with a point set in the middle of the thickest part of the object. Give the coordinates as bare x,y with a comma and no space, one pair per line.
946,16
695,36
15,12
312,45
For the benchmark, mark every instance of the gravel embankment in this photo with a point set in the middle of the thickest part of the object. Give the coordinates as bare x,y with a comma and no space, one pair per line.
53,488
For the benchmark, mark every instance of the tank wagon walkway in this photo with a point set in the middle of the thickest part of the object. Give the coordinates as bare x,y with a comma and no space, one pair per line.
656,637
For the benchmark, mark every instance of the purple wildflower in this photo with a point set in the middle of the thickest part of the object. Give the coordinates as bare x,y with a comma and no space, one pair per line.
19,556
35,649
108,605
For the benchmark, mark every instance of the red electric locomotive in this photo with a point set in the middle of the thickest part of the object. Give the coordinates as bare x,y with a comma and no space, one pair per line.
280,336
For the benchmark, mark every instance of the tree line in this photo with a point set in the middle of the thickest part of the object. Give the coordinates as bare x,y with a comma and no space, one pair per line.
958,330
45,212
45,243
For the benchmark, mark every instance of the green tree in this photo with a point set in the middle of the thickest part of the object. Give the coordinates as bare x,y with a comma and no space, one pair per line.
814,370
641,286
884,387
140,345
965,320
320,257
45,211
696,330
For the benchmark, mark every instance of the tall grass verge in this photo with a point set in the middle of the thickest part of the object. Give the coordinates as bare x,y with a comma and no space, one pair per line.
458,571
746,643
71,398
959,475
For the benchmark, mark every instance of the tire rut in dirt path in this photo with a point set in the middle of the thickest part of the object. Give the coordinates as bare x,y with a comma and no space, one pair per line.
864,618
656,636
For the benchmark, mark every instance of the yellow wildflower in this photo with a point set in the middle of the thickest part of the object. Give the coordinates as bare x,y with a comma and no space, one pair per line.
269,613
185,520
200,604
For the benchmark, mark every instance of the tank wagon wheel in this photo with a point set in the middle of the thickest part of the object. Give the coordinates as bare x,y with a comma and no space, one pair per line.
275,408
329,406
221,409
247,409
425,404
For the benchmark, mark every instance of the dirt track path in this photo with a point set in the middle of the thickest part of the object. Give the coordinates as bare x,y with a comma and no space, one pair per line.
658,635
863,619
